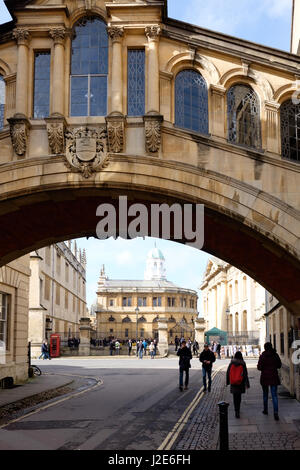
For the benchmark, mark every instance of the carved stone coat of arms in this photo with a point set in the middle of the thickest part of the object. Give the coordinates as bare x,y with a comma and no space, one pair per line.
86,150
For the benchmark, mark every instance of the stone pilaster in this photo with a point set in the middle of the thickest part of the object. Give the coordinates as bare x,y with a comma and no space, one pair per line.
199,332
273,126
58,35
153,33
22,37
116,34
218,97
85,336
163,340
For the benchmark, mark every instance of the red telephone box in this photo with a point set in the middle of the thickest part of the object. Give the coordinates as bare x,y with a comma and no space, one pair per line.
54,345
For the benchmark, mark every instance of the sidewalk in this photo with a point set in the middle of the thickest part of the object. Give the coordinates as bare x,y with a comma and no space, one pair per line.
34,386
253,431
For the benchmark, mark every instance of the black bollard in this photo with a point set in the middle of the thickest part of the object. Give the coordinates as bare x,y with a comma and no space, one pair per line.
224,438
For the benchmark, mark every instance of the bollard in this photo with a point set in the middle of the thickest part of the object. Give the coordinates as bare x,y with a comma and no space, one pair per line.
224,439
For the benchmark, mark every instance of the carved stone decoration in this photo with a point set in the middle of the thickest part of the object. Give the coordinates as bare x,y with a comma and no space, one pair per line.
115,132
153,122
21,35
86,150
115,32
19,126
153,32
56,128
58,34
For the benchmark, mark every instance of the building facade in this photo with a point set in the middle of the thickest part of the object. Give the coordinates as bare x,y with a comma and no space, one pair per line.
283,331
234,303
132,308
57,298
14,295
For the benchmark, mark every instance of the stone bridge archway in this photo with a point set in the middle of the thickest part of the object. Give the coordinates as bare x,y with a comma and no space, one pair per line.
41,202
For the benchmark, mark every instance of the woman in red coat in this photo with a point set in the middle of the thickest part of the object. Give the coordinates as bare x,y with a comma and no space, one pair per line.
269,363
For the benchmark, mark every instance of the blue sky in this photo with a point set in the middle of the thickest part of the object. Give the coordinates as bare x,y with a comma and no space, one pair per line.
266,22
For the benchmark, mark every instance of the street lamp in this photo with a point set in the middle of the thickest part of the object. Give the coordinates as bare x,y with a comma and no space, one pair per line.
137,311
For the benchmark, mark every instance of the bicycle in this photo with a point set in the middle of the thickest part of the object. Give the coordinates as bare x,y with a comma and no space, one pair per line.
36,370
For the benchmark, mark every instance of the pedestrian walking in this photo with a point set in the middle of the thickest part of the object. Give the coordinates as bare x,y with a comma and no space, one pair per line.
177,342
185,356
117,347
269,363
129,344
152,350
140,349
111,348
45,351
237,378
219,350
207,358
145,344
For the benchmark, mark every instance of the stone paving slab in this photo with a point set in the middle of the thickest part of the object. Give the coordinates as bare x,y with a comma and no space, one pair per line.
253,431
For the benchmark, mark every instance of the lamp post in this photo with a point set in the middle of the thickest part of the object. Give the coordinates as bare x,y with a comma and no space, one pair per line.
137,311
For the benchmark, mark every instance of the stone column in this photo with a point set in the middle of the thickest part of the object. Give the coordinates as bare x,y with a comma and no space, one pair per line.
199,332
58,35
116,120
116,34
153,119
153,33
85,336
272,126
163,340
22,36
218,94
19,124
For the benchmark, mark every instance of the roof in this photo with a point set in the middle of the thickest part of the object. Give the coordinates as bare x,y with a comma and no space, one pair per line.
132,285
156,253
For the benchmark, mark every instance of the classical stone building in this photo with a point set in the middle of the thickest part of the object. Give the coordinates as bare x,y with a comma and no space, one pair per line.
234,303
14,294
57,298
283,331
156,299
106,98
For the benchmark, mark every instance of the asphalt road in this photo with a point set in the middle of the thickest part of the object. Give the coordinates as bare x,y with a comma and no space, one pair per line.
134,406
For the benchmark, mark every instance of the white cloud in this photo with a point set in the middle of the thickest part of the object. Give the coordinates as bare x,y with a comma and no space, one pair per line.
124,257
233,16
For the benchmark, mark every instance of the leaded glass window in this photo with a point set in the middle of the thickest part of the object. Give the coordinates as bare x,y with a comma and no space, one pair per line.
243,114
136,82
290,130
41,99
2,101
191,101
89,68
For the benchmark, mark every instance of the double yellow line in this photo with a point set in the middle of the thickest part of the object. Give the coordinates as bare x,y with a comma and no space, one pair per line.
183,420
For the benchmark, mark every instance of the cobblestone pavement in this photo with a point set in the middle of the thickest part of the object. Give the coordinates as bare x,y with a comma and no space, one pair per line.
253,431
201,433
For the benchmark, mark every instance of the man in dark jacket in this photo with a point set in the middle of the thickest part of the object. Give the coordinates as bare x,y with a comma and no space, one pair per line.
207,358
269,363
185,356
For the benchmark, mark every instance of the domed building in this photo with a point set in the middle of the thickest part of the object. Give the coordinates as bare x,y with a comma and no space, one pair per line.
132,308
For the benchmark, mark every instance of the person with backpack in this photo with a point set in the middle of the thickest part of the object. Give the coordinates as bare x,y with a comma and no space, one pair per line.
269,363
237,378
185,356
207,358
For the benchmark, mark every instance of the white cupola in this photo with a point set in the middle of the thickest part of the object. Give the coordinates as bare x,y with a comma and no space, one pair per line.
155,266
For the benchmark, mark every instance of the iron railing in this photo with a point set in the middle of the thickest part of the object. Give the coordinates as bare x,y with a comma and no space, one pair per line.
243,338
